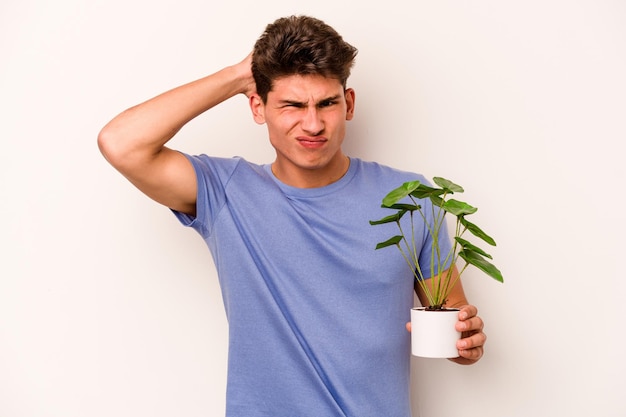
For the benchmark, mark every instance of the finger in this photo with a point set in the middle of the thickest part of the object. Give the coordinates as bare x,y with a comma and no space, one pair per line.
468,312
472,341
408,327
469,325
472,355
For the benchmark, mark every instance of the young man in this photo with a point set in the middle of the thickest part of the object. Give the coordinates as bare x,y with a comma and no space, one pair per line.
316,315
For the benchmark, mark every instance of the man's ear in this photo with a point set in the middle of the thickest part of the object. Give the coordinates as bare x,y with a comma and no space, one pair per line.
350,98
258,108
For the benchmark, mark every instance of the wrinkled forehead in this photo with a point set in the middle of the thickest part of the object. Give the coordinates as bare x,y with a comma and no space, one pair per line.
305,88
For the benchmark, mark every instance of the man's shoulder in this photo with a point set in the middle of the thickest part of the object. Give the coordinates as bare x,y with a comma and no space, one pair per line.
222,165
216,160
387,172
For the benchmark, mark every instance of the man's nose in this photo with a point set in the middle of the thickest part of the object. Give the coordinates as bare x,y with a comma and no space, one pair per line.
312,121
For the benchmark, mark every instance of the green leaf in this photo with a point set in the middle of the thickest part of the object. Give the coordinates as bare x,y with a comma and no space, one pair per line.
424,191
389,219
399,193
458,208
476,231
406,207
389,242
448,185
481,263
466,245
437,201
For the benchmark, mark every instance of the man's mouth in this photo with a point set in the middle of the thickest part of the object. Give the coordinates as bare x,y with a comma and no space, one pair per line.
312,143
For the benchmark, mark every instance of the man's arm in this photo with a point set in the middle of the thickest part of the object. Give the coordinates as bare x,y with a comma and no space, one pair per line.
473,339
134,141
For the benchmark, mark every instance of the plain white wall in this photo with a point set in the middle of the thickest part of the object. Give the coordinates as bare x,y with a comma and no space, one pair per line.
109,308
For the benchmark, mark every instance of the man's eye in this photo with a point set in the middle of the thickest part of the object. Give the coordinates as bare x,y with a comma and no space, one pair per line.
327,103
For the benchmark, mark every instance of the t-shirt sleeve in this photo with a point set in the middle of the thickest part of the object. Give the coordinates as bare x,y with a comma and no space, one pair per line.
212,176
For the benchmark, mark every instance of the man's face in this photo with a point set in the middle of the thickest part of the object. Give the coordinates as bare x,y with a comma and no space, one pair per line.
306,121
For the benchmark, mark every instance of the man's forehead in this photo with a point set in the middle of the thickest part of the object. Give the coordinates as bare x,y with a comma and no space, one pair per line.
305,88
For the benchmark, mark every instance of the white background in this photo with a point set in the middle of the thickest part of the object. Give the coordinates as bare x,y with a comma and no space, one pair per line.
109,308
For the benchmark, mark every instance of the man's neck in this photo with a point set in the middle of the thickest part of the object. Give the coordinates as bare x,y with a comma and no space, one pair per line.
312,178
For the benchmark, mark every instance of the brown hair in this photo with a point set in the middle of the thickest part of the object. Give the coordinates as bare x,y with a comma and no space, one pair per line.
300,45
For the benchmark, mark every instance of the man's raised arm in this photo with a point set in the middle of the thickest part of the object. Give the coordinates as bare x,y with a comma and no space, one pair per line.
134,141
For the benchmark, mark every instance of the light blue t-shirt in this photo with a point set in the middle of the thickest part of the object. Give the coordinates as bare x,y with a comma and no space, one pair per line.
316,315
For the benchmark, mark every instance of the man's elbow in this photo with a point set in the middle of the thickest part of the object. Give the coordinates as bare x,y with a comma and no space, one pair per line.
105,140
111,145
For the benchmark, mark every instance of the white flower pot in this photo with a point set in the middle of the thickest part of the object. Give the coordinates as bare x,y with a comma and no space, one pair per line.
433,334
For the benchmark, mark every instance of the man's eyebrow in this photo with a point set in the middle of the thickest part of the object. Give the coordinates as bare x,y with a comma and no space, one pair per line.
332,98
302,103
287,101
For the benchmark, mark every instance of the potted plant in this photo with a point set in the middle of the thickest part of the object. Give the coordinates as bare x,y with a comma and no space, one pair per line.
441,276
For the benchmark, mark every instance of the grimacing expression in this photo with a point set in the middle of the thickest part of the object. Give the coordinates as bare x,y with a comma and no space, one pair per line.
306,120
